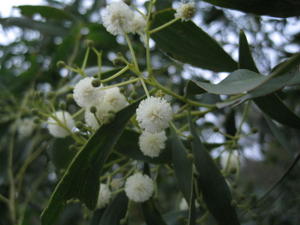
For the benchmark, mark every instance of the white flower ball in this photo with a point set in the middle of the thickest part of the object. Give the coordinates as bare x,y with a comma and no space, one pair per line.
138,23
186,11
112,102
101,116
151,144
231,158
114,99
139,187
62,128
104,196
154,114
26,127
117,18
85,95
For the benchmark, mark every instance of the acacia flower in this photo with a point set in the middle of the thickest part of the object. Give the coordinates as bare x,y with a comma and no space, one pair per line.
60,129
112,102
85,94
117,18
139,187
154,114
186,11
104,196
138,23
151,144
114,99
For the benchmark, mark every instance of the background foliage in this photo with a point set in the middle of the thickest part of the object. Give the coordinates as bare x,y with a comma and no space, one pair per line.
264,117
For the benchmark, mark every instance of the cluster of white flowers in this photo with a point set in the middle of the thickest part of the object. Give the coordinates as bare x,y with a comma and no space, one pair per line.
112,102
118,19
106,102
153,116
60,124
139,187
85,94
186,11
104,196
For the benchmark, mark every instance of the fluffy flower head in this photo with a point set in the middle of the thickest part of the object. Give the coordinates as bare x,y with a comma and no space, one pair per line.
154,114
112,102
185,11
117,18
151,144
85,95
138,23
104,196
114,99
59,129
139,187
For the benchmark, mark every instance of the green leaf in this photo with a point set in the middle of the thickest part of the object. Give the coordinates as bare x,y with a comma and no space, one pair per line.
277,110
45,11
97,216
240,81
183,166
26,23
215,191
60,153
151,213
115,211
186,42
81,179
277,8
246,60
262,96
279,134
244,80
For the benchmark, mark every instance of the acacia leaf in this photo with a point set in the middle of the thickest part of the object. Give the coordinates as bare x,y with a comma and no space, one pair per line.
188,43
215,191
81,179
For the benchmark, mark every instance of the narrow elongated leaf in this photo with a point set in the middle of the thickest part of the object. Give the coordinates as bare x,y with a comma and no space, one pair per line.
26,23
262,96
45,11
81,179
183,166
151,213
186,42
279,134
216,193
277,110
278,8
115,211
246,60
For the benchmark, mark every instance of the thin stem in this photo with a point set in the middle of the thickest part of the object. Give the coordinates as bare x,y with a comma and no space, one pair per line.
164,26
122,83
181,98
132,52
116,74
86,57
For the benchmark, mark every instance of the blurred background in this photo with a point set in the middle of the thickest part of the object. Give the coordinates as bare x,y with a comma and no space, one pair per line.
34,39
